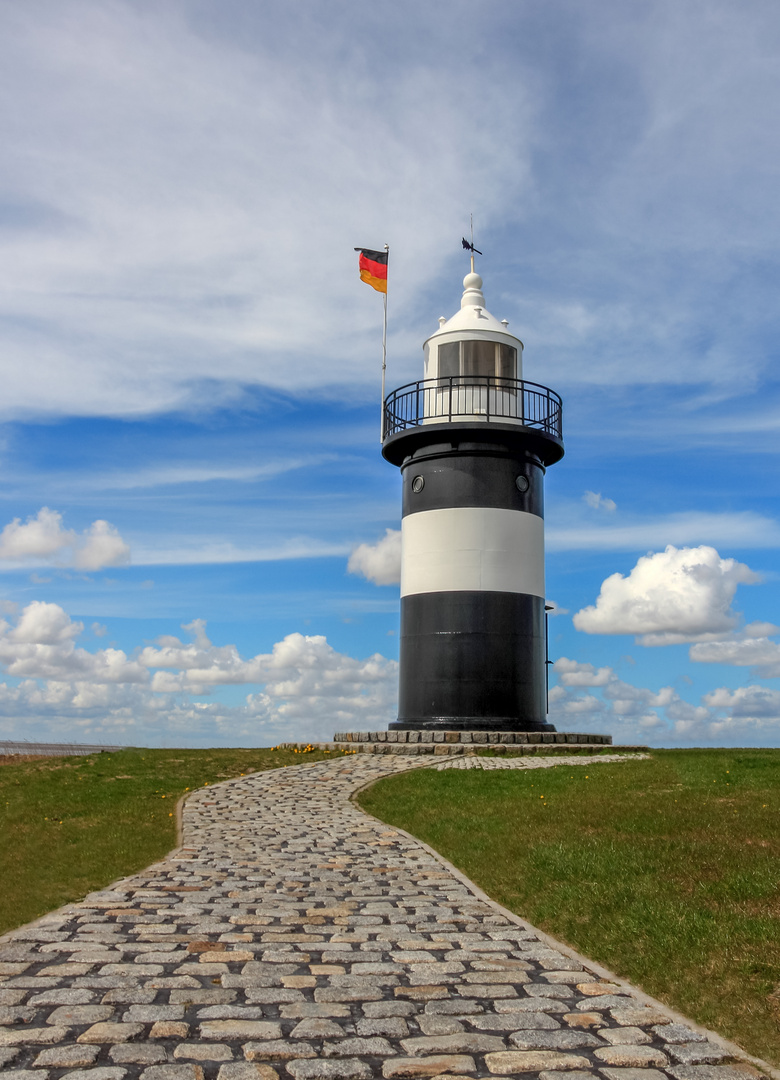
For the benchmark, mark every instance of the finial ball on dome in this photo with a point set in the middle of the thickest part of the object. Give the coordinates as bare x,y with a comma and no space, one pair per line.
472,281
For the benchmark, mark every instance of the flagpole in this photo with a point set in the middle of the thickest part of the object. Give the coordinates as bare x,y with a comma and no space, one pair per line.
384,361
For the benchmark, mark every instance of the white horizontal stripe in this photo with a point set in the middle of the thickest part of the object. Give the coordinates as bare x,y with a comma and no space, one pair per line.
471,548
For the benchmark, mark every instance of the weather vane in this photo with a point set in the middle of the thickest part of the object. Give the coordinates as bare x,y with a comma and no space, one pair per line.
470,246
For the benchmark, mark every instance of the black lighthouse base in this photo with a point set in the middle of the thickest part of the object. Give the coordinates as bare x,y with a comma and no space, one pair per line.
472,661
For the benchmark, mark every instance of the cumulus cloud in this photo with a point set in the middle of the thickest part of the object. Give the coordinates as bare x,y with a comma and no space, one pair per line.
41,645
753,706
573,673
752,647
379,562
597,501
300,669
41,538
302,688
100,545
672,596
626,700
38,538
593,699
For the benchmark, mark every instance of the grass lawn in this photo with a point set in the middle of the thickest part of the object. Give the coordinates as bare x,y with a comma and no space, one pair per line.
73,824
667,871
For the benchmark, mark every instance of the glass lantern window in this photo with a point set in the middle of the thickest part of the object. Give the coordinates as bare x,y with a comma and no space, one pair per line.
507,361
449,358
486,359
478,358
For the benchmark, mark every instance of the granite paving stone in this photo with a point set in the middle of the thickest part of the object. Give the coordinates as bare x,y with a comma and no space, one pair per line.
292,937
67,1057
630,1055
279,1050
678,1033
558,1074
713,1072
508,1062
247,1070
552,1040
100,1072
697,1053
436,1065
137,1053
624,1035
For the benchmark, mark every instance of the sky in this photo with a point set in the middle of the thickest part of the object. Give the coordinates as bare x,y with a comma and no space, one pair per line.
198,534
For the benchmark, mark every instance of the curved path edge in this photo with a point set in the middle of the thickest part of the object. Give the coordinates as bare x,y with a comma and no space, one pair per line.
592,965
292,935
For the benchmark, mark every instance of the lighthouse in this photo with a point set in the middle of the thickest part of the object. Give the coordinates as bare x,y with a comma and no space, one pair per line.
473,440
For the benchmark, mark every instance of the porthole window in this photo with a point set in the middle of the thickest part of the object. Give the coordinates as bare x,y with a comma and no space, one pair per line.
522,484
418,484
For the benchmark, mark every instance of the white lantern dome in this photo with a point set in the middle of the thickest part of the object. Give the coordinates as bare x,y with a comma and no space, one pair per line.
473,342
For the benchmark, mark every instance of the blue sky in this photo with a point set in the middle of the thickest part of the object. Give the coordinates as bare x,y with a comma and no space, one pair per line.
189,420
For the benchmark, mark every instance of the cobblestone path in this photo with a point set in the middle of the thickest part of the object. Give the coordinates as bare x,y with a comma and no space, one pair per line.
294,937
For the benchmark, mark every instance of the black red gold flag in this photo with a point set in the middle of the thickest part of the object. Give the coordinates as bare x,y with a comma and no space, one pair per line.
373,268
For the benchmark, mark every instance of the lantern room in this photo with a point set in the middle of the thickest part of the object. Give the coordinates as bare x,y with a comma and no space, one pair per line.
473,342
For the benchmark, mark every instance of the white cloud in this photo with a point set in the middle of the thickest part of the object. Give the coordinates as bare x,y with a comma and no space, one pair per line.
747,702
751,648
597,501
379,562
301,669
42,539
44,624
634,714
41,646
573,673
570,531
176,474
38,538
194,551
672,596
101,545
133,250
130,238
626,700
303,688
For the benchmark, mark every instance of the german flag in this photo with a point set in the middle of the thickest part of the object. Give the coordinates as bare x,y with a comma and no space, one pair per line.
373,268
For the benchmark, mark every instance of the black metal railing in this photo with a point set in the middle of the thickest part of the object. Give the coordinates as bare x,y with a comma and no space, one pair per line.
467,397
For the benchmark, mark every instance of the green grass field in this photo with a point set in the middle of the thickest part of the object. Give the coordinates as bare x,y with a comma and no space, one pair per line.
73,824
664,870
667,870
